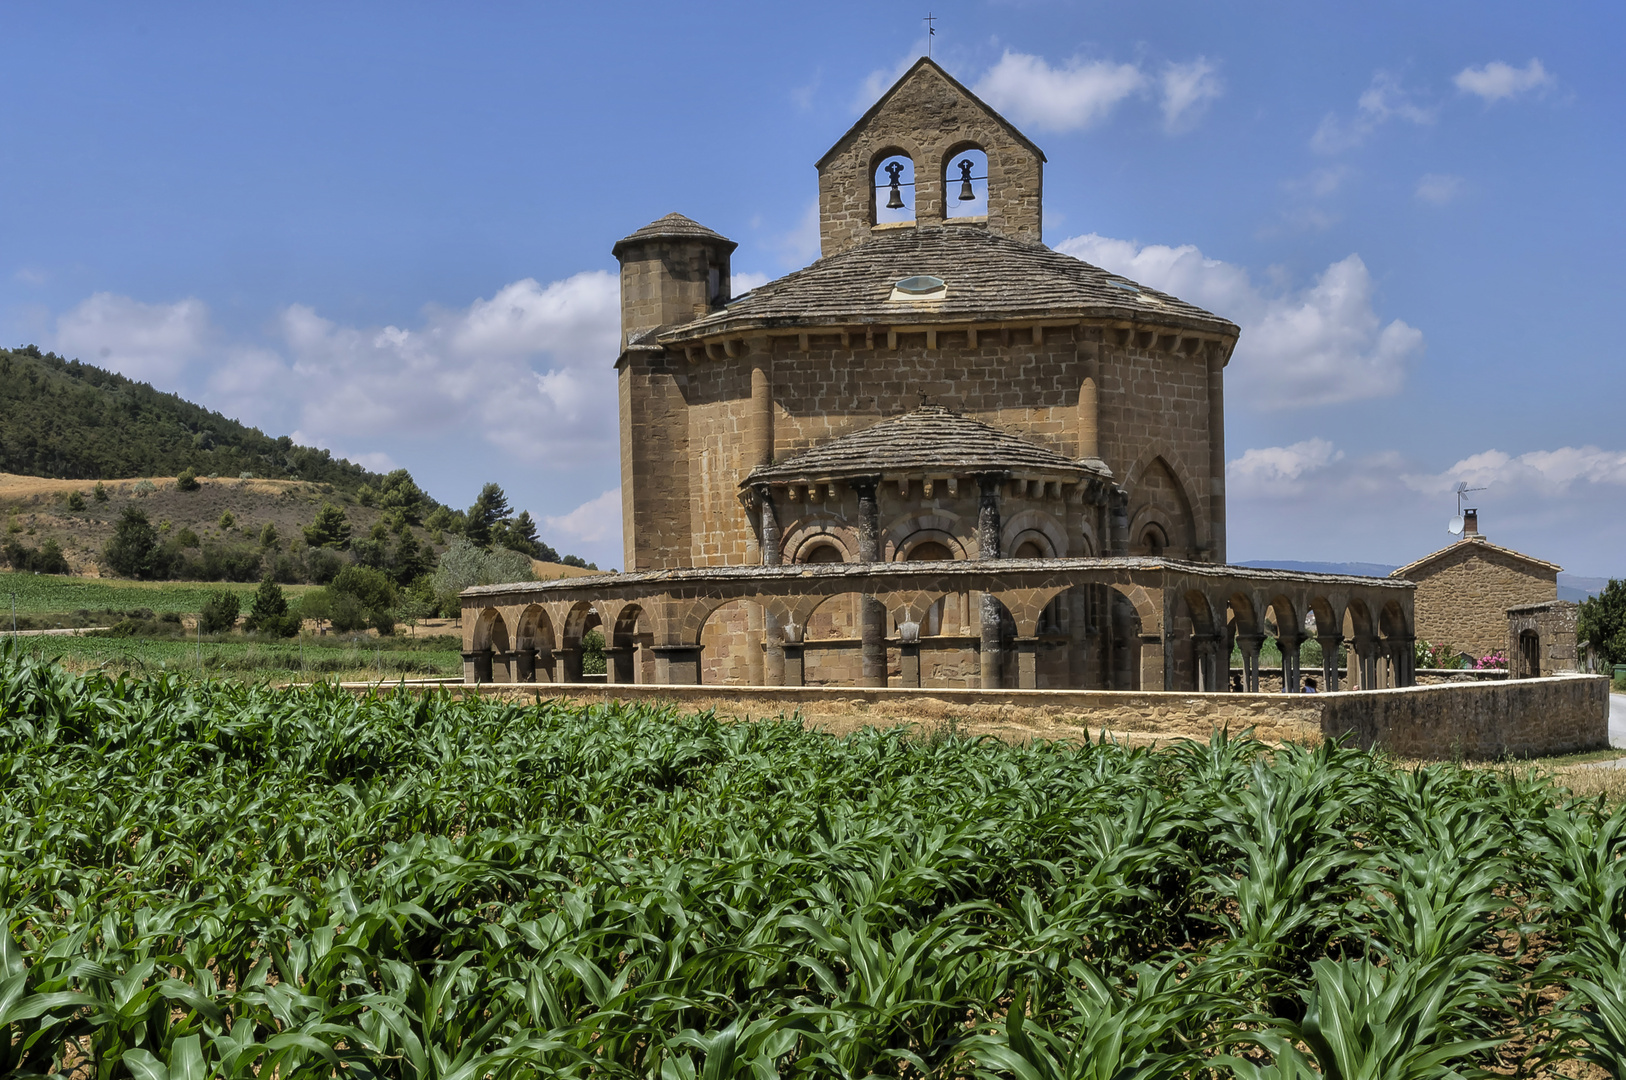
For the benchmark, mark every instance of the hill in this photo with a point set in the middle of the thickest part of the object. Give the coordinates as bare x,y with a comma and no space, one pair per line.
72,421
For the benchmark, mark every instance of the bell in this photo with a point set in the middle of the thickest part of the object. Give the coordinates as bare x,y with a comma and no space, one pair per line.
894,201
966,194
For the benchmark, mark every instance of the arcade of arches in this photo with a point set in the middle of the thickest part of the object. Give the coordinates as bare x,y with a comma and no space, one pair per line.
1134,623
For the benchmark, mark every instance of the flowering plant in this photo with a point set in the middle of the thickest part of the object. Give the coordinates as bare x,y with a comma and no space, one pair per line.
1497,659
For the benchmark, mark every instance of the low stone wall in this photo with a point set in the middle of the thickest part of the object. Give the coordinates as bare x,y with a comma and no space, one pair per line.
1561,714
1527,718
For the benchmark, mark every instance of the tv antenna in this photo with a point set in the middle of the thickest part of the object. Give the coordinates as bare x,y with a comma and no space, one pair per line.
1456,524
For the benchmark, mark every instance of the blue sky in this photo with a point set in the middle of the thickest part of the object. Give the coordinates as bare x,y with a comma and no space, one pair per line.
386,228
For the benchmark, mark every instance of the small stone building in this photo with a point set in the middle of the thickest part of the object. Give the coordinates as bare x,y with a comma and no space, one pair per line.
944,454
1541,638
1464,591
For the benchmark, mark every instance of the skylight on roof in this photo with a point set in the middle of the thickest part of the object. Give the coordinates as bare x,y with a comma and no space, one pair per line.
1124,285
920,283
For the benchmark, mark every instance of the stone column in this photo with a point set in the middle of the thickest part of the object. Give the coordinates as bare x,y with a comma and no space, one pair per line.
618,665
991,656
871,612
768,516
502,667
477,666
1406,662
1205,649
769,670
1027,663
1089,420
569,663
1249,644
1216,451
525,665
545,666
761,436
1329,660
1152,662
1290,663
909,654
678,665
1118,521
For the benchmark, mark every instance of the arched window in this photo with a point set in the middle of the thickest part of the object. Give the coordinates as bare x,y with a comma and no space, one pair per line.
1153,542
894,189
965,173
929,551
823,553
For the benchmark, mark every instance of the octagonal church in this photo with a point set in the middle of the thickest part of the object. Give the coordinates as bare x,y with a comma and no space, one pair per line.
943,454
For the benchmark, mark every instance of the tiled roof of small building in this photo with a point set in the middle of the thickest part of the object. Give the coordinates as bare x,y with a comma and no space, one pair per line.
1478,544
986,276
930,441
671,227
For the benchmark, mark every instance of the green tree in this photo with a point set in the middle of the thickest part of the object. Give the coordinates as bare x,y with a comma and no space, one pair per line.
187,481
219,613
371,591
268,536
488,511
134,551
399,492
99,492
331,529
519,535
410,560
76,500
1603,622
268,612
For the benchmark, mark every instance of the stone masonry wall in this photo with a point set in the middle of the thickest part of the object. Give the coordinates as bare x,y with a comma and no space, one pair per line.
1462,599
928,120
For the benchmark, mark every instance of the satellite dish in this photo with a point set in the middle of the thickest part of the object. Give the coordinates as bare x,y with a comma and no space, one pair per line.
1454,526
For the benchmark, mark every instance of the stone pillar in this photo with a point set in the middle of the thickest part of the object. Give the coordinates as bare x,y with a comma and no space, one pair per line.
909,654
477,666
769,519
502,667
871,612
1089,420
761,436
618,665
1249,644
569,663
525,665
794,671
1027,663
1365,651
1329,660
1406,662
1117,521
678,665
1205,647
1216,451
1152,662
545,666
990,656
1290,663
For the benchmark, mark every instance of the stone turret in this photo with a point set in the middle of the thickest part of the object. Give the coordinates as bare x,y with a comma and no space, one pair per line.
673,270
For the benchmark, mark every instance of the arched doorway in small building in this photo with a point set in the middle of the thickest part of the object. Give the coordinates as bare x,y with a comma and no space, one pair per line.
1529,655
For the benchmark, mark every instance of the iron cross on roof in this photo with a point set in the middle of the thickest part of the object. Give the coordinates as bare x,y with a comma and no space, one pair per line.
931,32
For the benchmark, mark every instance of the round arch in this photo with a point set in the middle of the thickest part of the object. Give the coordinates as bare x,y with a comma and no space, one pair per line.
905,548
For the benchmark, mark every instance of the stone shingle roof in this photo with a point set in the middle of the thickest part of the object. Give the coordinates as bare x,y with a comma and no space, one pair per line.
1457,549
988,277
930,441
672,227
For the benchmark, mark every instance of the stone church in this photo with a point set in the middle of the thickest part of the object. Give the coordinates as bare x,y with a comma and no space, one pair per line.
942,454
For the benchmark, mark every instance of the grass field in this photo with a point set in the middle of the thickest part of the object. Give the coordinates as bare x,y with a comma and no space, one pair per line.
43,594
210,879
356,658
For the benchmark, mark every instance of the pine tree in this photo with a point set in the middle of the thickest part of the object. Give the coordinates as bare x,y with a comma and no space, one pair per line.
488,511
331,529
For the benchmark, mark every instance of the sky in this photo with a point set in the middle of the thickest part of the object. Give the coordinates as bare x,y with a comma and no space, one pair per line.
386,229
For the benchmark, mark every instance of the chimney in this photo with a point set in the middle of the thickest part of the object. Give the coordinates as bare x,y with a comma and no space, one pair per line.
1470,525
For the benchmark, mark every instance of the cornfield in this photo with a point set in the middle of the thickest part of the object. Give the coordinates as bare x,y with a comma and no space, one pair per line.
210,879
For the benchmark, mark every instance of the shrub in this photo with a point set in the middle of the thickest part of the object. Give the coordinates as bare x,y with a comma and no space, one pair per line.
187,481
143,488
99,492
76,500
46,559
134,551
374,599
219,613
225,562
186,538
268,613
227,521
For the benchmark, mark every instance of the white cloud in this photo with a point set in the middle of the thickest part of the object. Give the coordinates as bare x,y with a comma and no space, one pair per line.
1538,472
1438,188
1497,80
880,80
527,371
802,244
593,521
146,342
1384,100
1279,470
1033,94
1188,89
741,282
1314,346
